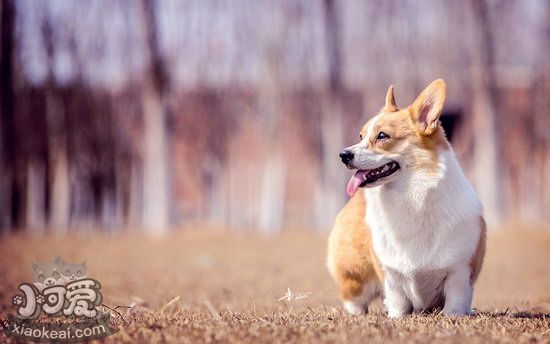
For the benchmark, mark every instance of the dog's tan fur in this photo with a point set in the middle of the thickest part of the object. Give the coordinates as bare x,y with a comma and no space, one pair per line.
351,260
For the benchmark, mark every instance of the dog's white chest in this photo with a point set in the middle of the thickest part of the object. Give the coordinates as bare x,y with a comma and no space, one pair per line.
409,242
424,224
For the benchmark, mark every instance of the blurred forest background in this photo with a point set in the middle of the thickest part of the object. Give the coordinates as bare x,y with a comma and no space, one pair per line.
153,114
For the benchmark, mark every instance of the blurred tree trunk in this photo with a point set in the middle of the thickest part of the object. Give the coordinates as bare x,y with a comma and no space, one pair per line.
59,198
12,177
333,40
543,122
135,195
36,189
540,161
269,211
59,165
331,196
155,160
484,98
272,189
272,195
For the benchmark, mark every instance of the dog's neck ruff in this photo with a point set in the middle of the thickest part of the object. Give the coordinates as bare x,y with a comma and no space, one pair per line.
423,198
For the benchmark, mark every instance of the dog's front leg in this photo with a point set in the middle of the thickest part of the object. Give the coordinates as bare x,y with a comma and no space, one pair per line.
458,292
396,302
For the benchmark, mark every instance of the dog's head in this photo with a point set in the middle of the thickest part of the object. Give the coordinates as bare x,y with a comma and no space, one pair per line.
397,142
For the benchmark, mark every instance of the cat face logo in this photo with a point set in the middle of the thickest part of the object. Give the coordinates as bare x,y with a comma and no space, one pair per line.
45,275
59,288
58,272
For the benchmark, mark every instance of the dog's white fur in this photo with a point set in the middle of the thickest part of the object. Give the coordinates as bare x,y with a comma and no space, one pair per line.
424,225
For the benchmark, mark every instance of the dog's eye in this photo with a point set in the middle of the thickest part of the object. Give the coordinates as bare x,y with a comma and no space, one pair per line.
382,136
361,137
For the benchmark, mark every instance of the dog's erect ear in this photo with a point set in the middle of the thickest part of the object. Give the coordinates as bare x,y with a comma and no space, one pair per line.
390,105
427,108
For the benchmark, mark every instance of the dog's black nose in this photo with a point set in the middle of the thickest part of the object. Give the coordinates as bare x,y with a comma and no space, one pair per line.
346,155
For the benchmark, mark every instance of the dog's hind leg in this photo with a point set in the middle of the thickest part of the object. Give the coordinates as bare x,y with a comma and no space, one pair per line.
357,296
351,259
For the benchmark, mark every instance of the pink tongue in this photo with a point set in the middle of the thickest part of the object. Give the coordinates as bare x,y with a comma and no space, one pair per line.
355,181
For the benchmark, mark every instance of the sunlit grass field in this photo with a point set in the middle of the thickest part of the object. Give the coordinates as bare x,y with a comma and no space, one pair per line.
215,285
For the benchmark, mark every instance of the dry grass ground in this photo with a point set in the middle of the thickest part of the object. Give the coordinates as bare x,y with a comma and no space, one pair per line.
229,284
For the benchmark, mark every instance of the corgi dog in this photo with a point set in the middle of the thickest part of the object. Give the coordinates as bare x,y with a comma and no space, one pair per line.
413,230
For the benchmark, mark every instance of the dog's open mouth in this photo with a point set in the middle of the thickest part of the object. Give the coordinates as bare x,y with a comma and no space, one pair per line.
362,178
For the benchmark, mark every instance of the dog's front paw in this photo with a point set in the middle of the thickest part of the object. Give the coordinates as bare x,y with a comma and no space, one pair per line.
456,311
355,308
